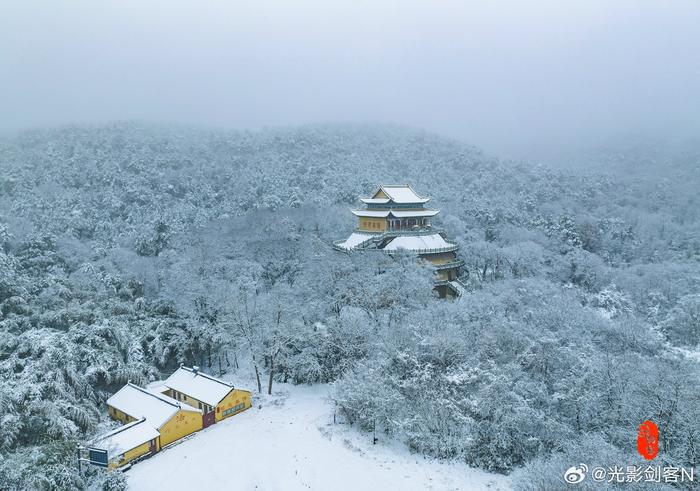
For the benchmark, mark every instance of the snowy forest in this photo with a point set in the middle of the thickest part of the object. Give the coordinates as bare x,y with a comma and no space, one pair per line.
128,249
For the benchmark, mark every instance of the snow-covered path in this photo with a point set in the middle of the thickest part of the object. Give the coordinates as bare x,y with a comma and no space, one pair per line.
291,444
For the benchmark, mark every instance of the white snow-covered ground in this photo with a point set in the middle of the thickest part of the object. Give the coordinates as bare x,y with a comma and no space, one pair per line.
289,442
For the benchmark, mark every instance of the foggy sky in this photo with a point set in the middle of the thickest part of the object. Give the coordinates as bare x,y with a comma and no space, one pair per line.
514,77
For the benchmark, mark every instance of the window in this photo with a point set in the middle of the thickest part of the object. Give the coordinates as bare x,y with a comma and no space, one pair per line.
234,409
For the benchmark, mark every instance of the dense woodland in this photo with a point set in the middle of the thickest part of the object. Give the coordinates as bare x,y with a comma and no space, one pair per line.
128,249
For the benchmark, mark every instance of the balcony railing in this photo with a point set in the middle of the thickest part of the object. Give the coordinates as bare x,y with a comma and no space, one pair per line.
451,248
449,265
398,232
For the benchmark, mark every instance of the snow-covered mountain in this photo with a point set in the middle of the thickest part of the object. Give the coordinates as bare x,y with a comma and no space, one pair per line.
128,249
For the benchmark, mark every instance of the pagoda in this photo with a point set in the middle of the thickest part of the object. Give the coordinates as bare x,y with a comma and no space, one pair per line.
395,220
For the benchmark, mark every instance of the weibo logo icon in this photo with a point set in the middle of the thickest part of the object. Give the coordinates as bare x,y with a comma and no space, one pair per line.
648,440
575,474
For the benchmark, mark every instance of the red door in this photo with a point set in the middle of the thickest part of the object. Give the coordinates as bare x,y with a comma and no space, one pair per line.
208,419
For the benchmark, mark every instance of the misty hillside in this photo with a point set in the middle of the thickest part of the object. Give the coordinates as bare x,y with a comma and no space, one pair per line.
128,249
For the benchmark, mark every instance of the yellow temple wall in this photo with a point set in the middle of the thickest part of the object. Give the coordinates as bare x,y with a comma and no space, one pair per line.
372,224
443,257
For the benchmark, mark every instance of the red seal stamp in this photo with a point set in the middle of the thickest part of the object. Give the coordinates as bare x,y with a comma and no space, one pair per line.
648,440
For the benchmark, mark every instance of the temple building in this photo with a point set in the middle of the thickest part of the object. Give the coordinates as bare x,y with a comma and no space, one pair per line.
395,219
186,402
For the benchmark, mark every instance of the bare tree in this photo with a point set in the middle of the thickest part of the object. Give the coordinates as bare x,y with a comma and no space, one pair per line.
276,342
246,320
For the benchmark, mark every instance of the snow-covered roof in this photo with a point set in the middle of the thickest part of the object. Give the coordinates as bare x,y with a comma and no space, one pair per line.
125,438
157,387
371,213
414,213
458,288
196,384
141,403
401,193
396,213
354,240
417,243
375,201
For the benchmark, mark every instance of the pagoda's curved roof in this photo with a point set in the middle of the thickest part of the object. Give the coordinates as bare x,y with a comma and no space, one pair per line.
395,213
375,201
397,193
418,243
414,213
354,240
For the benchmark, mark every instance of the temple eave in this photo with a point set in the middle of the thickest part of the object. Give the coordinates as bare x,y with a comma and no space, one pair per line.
395,213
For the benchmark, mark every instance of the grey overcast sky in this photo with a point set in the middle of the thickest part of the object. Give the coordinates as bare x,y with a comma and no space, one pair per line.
511,76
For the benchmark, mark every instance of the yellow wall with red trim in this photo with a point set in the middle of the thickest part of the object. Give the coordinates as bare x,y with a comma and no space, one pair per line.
233,398
180,425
